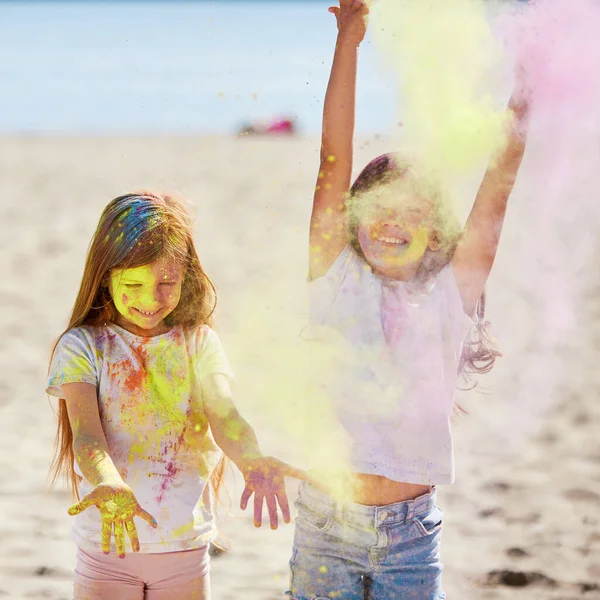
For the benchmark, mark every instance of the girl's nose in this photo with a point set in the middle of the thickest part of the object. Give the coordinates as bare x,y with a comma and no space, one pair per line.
391,214
152,298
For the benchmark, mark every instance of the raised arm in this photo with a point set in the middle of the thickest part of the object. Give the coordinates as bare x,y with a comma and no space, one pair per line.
328,231
474,257
113,498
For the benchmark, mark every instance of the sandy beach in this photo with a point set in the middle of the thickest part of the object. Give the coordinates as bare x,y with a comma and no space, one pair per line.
522,519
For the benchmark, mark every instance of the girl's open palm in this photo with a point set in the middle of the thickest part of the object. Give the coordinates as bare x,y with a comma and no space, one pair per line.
264,478
117,505
351,17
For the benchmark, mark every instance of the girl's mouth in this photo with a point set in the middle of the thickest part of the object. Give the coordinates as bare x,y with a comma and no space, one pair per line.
147,313
389,234
394,241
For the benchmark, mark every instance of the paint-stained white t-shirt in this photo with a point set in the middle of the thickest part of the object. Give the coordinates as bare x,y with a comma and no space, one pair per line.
397,350
151,409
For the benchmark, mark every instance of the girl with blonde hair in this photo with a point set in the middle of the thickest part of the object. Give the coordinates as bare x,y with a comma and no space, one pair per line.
146,410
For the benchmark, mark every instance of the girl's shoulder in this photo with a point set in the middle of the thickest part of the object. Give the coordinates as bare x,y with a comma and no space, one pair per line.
449,293
200,337
87,334
348,269
74,358
445,279
347,261
92,338
208,354
439,282
197,331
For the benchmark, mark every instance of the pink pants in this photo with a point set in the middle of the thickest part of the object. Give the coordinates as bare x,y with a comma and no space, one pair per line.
166,576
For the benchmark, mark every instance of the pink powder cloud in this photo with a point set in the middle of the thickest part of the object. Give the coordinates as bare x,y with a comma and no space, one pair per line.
557,44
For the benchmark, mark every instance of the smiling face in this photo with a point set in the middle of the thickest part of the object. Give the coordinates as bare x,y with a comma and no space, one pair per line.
145,296
395,230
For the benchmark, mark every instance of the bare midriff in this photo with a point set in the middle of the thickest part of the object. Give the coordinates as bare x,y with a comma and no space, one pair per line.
370,490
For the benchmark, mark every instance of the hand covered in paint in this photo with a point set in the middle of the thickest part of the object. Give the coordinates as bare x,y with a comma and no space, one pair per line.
351,17
117,505
264,477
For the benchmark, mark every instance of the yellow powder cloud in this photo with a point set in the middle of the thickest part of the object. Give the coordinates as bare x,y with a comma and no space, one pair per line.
445,57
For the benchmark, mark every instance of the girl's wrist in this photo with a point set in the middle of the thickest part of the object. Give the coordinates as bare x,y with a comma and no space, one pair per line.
111,481
245,463
347,41
110,477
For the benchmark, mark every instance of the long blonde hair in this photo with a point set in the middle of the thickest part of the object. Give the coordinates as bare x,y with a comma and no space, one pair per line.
135,230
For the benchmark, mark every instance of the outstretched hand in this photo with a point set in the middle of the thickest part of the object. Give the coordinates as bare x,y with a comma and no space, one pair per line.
264,477
117,505
351,17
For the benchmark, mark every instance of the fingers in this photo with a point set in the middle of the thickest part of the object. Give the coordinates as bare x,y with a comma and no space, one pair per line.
290,471
272,508
258,502
146,516
354,5
133,536
361,7
80,506
284,505
335,11
106,531
132,531
119,538
245,497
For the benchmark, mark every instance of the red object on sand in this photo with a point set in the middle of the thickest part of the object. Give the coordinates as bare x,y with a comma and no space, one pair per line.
281,126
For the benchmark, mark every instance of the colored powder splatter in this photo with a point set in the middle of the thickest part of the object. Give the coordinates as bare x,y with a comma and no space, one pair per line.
281,375
556,45
447,62
155,392
452,58
453,73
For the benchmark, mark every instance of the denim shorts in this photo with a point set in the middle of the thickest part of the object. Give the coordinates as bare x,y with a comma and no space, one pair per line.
354,552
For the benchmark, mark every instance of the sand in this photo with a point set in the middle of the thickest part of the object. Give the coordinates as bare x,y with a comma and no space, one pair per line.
522,519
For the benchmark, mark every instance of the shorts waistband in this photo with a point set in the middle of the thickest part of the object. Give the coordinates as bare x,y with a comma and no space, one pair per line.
398,512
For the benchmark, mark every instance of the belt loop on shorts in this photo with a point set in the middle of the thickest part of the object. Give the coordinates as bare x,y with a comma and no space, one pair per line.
342,506
410,510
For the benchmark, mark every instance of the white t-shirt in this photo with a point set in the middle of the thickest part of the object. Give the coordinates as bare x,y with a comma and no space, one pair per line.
397,347
150,405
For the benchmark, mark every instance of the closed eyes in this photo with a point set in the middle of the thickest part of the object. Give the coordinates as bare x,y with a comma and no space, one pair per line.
138,285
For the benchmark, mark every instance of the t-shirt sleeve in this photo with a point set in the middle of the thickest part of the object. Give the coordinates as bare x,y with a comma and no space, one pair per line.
462,322
323,290
211,358
73,361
